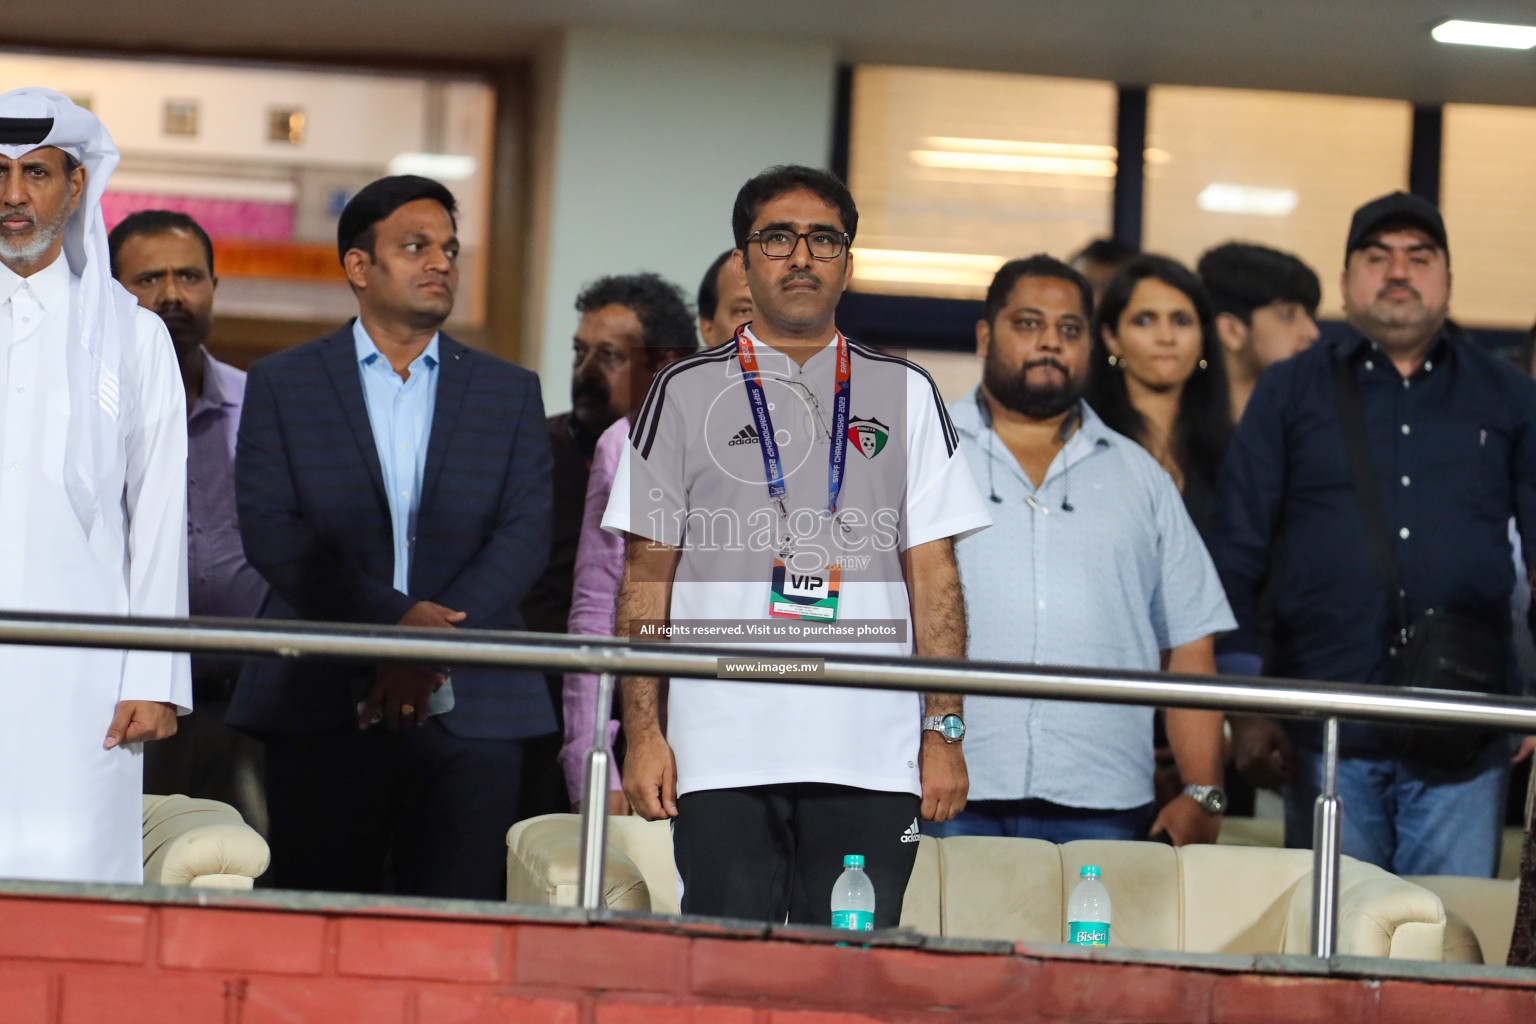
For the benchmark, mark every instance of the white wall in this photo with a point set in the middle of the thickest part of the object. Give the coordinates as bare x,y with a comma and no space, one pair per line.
355,121
352,118
653,135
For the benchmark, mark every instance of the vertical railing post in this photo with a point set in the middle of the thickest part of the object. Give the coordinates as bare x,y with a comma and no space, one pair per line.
594,807
1327,822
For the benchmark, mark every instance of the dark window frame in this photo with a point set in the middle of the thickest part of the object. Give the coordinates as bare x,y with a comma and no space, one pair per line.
948,325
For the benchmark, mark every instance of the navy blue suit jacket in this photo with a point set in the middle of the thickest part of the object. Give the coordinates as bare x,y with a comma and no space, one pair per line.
315,523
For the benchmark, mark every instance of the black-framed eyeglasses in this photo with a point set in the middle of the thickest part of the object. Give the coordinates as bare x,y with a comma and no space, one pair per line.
780,243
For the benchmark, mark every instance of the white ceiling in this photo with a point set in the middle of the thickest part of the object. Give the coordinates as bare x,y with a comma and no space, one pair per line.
1363,47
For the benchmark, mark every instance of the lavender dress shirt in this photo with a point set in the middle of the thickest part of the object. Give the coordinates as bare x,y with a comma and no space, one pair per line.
594,599
221,581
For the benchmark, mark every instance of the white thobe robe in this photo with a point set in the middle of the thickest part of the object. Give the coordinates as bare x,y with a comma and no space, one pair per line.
70,810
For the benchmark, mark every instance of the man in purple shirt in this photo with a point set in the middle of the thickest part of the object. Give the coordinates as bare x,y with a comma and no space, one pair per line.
631,326
166,260
724,304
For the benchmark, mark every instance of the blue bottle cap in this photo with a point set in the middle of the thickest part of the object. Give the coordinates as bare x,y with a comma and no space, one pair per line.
855,860
1090,871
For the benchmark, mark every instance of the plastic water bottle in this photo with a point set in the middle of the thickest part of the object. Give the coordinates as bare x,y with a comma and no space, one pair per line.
853,897
1088,910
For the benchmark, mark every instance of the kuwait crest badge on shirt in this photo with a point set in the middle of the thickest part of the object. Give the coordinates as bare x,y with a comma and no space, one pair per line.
868,436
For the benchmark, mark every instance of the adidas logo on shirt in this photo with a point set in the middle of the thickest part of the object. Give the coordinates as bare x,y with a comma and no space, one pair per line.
746,435
912,834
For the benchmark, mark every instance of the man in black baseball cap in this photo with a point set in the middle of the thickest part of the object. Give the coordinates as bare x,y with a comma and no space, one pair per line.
1395,209
1441,437
1397,278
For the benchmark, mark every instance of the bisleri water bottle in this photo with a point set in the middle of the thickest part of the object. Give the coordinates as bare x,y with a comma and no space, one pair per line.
1088,910
853,897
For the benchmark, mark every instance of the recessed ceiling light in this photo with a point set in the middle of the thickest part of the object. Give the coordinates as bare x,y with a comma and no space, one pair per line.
1052,149
1486,33
951,269
1094,167
440,166
1264,202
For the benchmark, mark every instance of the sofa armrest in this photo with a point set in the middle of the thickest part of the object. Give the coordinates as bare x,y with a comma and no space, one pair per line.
544,867
1380,915
1484,906
1461,945
200,842
921,909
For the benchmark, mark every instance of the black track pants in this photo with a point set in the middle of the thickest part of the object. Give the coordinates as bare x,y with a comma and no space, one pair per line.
764,853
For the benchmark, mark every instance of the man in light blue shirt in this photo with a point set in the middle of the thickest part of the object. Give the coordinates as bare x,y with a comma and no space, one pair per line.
387,474
1092,562
400,411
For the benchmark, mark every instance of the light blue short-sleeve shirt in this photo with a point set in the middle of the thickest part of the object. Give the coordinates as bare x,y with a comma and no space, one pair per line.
1100,567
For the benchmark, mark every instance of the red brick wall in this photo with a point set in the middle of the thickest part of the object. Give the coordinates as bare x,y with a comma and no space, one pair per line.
73,961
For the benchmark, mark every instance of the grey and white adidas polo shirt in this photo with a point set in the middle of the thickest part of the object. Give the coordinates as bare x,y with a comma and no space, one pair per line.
693,477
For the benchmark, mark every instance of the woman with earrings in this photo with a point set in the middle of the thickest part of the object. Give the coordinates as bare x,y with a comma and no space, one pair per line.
1158,378
1158,375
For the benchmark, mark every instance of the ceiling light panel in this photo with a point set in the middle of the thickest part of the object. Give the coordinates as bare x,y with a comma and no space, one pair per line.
1015,163
1263,202
1485,33
438,166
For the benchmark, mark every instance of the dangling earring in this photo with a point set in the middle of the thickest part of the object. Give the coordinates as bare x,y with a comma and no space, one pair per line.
1202,364
1112,360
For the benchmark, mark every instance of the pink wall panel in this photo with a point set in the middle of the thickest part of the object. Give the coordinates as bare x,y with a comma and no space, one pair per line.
221,218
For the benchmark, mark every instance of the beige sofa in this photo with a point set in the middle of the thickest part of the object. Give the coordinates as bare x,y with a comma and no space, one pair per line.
201,843
1479,912
1479,916
1211,899
1271,832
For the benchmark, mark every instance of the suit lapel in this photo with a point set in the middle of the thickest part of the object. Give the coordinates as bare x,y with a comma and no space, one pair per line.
452,384
340,356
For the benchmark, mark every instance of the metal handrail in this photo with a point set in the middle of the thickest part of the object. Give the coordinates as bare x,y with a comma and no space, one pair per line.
1285,698
1278,697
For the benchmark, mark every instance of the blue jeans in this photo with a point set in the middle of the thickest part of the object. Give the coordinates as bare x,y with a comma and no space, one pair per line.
1041,819
1406,819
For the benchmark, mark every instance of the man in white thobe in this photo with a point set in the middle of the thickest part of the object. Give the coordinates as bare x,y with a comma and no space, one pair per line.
93,450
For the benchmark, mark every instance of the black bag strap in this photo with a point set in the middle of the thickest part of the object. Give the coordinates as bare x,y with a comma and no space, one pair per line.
1346,393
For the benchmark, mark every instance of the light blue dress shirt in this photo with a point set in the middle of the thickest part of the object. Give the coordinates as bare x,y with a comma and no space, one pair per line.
1100,567
400,412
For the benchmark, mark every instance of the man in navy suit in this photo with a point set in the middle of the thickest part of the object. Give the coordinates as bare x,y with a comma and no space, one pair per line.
388,474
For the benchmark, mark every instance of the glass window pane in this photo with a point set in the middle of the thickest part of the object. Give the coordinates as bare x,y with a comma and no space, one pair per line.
957,171
1485,190
269,203
1279,169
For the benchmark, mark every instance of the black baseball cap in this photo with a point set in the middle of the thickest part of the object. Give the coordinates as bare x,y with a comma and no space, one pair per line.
1395,208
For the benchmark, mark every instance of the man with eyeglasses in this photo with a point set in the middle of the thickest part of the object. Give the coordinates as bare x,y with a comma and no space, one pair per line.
795,489
631,326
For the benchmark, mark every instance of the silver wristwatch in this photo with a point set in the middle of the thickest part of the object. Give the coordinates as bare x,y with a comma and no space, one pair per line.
951,727
1212,799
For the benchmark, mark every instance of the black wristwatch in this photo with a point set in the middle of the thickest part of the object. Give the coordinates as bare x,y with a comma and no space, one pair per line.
1212,799
951,727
